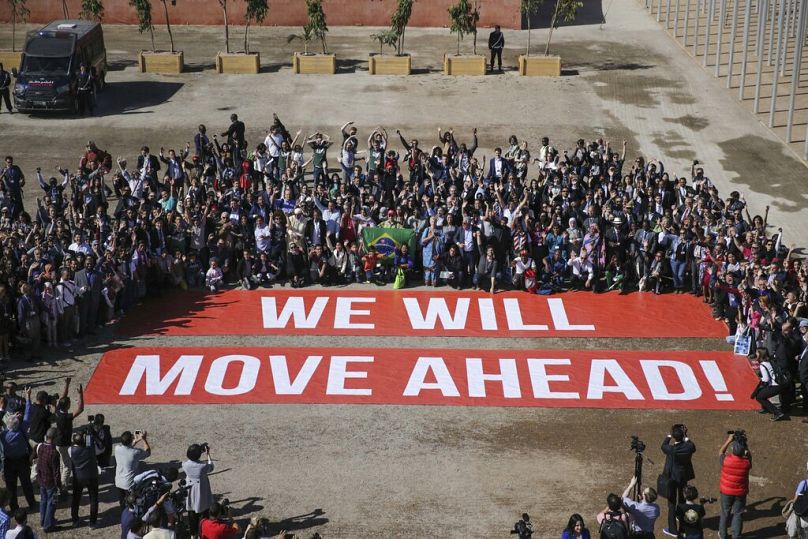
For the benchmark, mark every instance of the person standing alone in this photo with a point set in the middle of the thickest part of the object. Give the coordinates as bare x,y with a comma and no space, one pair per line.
678,470
496,42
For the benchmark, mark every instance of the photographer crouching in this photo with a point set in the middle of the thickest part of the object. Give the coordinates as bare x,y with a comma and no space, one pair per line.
219,525
734,486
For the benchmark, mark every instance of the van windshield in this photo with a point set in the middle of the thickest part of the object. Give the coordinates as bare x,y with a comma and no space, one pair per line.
39,64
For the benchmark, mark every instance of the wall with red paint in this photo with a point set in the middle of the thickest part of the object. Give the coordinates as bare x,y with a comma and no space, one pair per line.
425,13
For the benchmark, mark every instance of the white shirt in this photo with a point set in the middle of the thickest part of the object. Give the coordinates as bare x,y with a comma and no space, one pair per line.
262,237
13,533
273,144
521,265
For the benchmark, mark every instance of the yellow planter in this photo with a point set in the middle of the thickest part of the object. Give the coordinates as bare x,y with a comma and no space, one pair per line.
540,66
463,65
314,64
10,60
160,62
238,63
380,64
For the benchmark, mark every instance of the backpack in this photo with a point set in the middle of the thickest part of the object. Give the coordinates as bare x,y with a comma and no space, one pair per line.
612,527
782,377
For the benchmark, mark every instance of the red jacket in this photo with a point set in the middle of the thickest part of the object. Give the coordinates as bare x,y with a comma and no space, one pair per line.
735,475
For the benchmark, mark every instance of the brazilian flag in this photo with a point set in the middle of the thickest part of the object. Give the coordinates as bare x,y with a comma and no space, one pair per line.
386,240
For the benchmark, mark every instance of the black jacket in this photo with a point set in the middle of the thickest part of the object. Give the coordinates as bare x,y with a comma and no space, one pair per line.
678,463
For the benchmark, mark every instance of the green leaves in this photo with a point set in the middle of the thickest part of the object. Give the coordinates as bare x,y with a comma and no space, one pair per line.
144,18
316,26
567,9
91,9
388,37
464,16
257,10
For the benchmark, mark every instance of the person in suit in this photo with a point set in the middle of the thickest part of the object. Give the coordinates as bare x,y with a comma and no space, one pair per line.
316,231
496,42
235,133
5,88
147,166
90,283
498,166
678,450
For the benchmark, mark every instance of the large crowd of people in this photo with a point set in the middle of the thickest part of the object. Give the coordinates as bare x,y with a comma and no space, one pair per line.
292,208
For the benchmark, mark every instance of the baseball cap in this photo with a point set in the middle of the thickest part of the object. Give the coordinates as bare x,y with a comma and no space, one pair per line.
391,213
803,324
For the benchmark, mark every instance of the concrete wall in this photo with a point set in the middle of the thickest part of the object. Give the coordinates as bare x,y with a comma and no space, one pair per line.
282,12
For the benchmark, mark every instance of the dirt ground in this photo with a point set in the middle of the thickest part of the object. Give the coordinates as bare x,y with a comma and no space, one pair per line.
395,471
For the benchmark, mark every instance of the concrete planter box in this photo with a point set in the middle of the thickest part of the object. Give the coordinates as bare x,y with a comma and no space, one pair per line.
314,64
160,62
463,65
540,66
10,60
238,63
380,64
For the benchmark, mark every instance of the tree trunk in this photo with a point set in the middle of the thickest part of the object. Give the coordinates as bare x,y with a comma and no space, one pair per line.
458,43
401,42
325,47
246,37
151,34
527,51
168,27
64,8
226,28
552,25
13,29
474,44
305,48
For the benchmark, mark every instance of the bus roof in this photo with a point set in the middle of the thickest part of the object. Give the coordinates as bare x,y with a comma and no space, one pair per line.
77,27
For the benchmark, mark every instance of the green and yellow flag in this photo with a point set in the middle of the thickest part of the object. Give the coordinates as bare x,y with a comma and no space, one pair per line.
386,240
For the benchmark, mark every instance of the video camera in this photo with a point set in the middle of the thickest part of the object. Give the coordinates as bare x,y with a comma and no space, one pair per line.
523,528
637,445
739,436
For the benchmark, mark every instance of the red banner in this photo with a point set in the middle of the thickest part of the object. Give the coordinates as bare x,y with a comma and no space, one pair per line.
545,378
424,313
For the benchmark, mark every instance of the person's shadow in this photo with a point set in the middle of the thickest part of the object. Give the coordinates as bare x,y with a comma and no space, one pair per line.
770,508
299,522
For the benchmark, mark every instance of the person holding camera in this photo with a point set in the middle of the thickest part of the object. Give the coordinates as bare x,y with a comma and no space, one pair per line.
643,513
200,496
796,512
48,476
678,470
101,439
85,475
734,486
127,460
219,525
16,452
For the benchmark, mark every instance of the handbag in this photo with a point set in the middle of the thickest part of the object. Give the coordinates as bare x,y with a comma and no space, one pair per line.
663,483
800,506
400,280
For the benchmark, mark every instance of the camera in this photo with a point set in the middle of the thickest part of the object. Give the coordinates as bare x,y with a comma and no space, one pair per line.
205,447
707,500
52,400
739,436
523,528
90,419
637,445
261,524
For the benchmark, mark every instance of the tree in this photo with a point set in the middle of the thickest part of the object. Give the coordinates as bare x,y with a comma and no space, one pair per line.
168,23
305,36
144,19
317,25
223,3
464,17
91,9
398,24
18,11
64,9
388,37
565,11
256,11
530,7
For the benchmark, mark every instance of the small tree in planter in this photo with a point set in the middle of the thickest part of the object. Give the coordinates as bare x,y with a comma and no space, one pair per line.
223,4
464,16
529,7
398,24
565,11
144,19
256,11
19,11
316,28
168,22
305,36
388,37
91,10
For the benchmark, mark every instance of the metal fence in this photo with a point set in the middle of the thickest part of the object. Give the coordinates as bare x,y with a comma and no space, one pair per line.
757,46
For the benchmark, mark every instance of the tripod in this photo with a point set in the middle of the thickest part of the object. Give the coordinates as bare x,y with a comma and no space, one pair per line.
637,492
